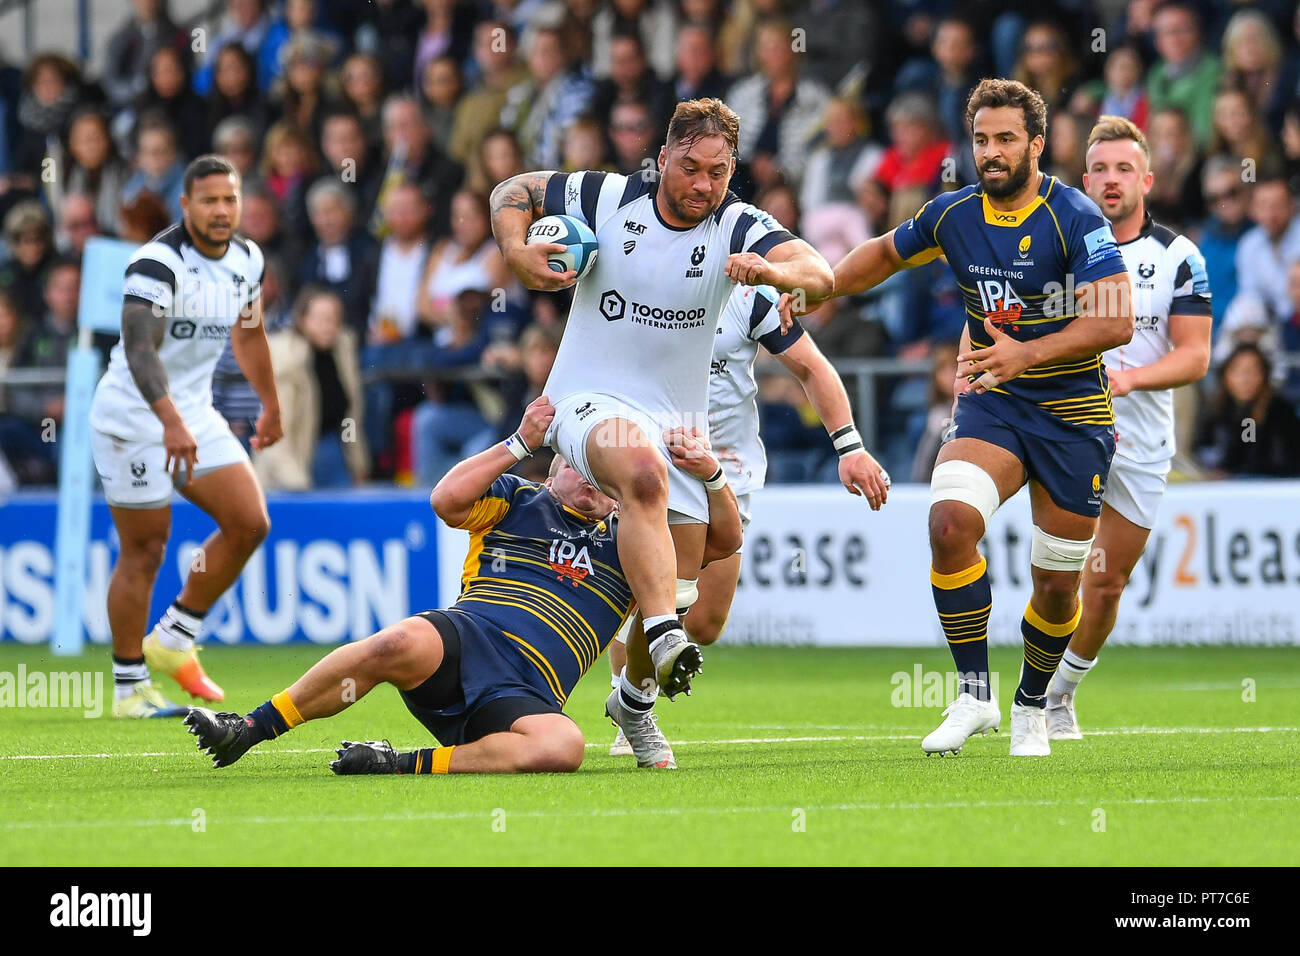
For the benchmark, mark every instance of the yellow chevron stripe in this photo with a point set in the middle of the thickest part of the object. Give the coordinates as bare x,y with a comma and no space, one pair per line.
954,614
567,618
957,579
535,657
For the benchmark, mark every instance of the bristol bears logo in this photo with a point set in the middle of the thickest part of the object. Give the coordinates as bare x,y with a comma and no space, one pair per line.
1146,270
612,305
697,256
184,329
137,469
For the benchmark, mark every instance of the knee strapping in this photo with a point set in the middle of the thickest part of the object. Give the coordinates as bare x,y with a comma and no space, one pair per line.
966,482
1058,554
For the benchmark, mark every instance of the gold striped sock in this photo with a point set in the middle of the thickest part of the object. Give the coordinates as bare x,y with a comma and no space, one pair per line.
286,709
442,759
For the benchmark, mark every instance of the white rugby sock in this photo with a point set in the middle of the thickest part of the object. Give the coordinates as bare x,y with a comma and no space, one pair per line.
178,627
1069,673
633,697
127,672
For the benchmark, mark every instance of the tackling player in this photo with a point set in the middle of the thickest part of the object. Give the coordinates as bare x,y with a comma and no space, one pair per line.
1170,347
541,596
1046,292
634,360
189,290
751,319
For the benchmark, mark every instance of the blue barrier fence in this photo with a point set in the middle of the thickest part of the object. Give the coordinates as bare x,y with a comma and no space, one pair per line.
333,568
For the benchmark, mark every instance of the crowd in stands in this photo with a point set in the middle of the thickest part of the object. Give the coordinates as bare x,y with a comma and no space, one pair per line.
369,134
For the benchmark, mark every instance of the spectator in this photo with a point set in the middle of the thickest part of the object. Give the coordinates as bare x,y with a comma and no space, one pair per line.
29,239
363,92
1225,198
449,426
40,407
389,36
131,47
52,91
77,224
1048,64
654,21
698,76
1187,75
467,259
1249,430
1175,196
288,164
402,256
573,18
539,109
632,131
584,147
1248,321
21,448
499,157
301,21
783,205
913,163
1119,92
947,76
1238,131
837,168
736,36
1291,146
479,110
1252,63
447,28
1265,250
344,258
1067,142
235,92
778,109
93,168
301,97
246,23
350,160
261,222
170,97
159,168
1289,337
413,156
938,415
143,218
527,365
440,89
237,138
319,382
631,80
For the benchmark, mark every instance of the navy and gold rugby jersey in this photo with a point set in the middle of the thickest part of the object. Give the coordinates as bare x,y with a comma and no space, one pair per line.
1019,268
545,578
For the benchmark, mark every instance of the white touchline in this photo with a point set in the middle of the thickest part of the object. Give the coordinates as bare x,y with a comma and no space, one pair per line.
640,811
1110,732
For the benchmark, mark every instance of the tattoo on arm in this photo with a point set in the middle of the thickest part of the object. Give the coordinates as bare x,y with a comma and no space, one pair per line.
142,334
525,192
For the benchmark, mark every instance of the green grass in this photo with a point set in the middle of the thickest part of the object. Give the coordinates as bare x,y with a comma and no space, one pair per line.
1221,794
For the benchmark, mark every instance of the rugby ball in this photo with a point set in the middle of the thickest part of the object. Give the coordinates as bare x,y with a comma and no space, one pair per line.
579,242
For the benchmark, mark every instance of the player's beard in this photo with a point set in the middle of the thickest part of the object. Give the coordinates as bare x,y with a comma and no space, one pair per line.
689,213
1126,207
207,236
1015,181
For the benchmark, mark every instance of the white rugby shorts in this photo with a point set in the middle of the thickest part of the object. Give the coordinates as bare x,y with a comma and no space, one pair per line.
133,471
580,412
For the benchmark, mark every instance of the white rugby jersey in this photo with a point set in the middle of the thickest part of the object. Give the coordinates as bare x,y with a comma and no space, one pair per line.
202,299
749,319
1169,278
643,321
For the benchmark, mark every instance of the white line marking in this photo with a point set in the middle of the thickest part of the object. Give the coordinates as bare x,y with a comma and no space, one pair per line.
605,812
1109,732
